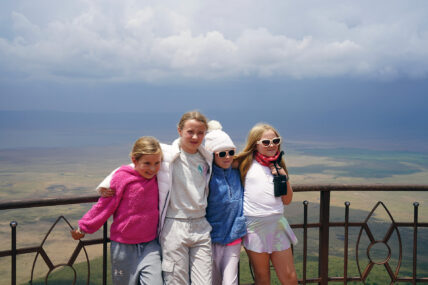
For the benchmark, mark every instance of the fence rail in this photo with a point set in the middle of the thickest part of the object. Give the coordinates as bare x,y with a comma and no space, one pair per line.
324,225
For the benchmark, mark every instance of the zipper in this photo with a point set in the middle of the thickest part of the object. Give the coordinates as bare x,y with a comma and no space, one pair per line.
228,185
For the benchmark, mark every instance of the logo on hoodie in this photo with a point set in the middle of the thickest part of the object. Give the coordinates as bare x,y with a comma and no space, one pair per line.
200,169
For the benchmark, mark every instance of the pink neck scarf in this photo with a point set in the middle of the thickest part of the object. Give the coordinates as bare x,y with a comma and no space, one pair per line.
265,160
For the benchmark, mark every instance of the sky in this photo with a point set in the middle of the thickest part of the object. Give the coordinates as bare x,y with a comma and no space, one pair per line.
316,67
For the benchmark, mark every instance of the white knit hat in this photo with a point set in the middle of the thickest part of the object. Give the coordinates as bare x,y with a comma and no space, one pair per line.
216,139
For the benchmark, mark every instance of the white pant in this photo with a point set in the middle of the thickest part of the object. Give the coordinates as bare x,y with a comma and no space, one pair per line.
225,264
186,251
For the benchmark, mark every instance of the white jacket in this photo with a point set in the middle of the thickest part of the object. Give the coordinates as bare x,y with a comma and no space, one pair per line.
164,176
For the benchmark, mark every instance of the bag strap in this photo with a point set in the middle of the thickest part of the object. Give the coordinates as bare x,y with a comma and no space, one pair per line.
277,161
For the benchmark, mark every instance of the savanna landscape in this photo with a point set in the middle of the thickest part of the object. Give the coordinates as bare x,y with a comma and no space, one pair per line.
65,172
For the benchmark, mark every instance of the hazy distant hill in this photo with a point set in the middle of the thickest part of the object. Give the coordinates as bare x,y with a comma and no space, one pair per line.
57,129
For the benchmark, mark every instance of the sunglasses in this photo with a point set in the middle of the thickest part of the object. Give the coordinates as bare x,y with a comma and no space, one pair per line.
225,153
268,142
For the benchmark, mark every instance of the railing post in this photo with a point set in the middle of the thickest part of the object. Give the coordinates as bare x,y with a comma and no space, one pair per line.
305,238
105,254
13,225
415,239
324,236
345,257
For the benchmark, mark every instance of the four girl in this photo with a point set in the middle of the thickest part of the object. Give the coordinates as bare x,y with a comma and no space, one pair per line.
199,221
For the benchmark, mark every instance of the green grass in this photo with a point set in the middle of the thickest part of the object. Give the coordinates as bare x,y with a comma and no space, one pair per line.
64,276
377,276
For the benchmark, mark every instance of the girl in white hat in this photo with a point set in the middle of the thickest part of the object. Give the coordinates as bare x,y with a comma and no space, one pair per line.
225,207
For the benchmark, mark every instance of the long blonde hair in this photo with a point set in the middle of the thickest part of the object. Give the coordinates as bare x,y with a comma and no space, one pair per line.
245,157
145,145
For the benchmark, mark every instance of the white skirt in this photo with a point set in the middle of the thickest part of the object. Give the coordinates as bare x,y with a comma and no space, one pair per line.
268,234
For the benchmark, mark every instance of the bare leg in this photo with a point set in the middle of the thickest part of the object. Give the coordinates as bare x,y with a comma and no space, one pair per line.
284,266
260,263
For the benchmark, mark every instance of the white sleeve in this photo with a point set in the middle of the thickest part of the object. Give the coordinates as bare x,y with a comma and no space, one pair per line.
106,182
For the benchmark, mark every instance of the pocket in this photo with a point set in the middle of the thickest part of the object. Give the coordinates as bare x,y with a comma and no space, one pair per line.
239,226
168,266
128,230
168,271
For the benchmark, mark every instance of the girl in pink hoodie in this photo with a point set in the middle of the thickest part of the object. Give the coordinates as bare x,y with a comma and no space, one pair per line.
135,251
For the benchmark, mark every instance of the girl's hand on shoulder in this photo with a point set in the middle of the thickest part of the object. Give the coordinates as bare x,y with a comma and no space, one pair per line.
235,164
106,192
77,234
272,169
274,172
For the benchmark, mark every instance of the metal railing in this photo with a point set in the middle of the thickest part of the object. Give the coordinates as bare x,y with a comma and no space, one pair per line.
324,226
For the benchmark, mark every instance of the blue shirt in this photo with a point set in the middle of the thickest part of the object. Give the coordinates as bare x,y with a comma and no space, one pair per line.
225,205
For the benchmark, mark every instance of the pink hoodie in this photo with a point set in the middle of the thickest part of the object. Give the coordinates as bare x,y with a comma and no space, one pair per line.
134,208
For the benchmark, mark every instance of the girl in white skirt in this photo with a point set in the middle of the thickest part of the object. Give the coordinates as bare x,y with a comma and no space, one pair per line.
269,236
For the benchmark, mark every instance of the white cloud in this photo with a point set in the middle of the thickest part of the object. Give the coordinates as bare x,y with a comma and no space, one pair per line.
152,41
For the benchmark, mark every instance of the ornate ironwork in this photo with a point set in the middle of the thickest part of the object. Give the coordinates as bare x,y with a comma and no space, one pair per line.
373,242
41,251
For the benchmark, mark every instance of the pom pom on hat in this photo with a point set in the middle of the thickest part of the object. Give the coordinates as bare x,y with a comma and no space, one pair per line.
216,139
214,125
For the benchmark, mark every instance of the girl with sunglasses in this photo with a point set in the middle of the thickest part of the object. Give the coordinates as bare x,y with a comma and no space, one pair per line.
269,236
225,207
